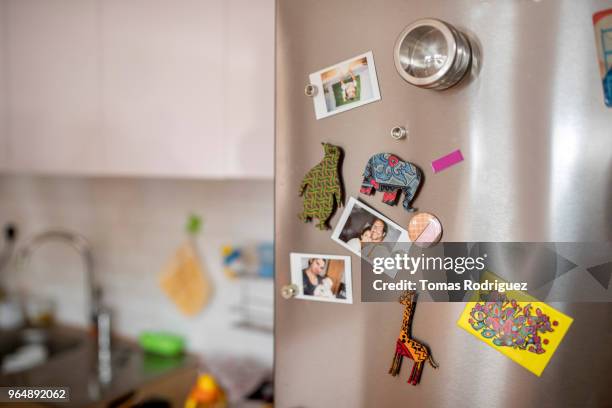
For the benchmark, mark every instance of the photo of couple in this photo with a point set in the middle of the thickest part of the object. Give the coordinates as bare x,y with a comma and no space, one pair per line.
361,225
374,232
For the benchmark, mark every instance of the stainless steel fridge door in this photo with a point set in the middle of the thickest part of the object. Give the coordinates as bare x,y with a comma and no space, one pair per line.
537,141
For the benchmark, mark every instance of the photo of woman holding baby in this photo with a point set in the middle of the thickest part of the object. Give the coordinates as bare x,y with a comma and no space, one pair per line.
313,275
324,278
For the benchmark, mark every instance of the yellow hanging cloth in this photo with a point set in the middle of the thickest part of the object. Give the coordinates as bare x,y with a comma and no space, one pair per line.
185,282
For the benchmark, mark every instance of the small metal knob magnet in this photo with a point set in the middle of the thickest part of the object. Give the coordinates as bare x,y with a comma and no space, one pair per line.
310,90
289,291
399,132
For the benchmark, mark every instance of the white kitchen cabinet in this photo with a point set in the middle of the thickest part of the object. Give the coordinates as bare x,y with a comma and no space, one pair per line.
163,86
250,85
3,124
52,71
141,87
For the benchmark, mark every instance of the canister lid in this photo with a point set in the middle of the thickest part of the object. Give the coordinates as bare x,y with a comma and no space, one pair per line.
431,53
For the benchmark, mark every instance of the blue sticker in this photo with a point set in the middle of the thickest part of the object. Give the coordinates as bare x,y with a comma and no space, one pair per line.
602,22
607,85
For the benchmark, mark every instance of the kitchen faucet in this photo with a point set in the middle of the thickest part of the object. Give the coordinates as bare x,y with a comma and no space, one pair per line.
99,316
82,246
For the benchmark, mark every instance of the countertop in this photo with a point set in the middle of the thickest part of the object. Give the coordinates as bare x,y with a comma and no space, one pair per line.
76,368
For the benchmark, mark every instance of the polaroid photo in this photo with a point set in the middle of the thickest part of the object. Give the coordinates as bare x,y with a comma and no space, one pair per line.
360,224
325,278
345,86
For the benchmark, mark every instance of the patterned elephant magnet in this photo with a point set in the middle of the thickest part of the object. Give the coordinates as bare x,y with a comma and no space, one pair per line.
424,229
321,188
387,173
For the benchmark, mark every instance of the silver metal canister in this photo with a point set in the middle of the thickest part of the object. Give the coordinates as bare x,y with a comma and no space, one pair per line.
432,54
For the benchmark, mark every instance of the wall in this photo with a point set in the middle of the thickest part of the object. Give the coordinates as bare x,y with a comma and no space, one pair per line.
3,89
134,226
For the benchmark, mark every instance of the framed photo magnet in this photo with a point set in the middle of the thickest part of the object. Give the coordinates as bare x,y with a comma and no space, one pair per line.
344,86
325,278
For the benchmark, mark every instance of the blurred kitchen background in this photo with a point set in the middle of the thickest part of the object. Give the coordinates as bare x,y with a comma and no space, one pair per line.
144,126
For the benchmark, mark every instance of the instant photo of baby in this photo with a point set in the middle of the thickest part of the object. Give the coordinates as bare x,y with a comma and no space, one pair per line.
346,85
322,277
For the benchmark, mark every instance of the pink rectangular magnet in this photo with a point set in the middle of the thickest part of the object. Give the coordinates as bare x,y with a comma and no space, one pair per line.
446,161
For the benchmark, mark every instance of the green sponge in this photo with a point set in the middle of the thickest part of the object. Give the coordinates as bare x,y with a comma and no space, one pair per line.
162,343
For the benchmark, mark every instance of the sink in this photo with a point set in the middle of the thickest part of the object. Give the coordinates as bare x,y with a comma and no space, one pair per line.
72,362
51,343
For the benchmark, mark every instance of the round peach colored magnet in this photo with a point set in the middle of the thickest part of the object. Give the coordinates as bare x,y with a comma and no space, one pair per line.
424,229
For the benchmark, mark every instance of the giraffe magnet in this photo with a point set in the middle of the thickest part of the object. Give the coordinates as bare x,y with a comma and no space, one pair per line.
406,346
322,189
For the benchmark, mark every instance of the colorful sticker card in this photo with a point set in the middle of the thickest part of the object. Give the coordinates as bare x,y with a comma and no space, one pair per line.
602,21
515,324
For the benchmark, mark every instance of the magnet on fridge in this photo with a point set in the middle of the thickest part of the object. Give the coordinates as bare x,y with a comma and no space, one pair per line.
387,173
447,161
424,229
515,323
322,189
399,132
432,54
602,22
344,86
321,277
407,346
289,291
311,90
